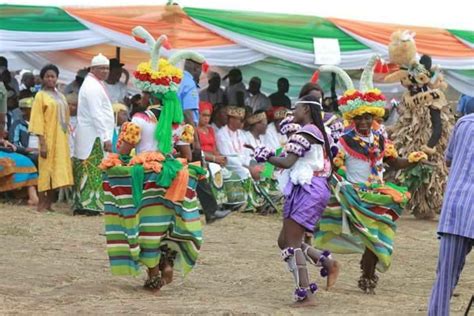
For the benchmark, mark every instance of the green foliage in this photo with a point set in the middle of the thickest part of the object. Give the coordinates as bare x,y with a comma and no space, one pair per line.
415,176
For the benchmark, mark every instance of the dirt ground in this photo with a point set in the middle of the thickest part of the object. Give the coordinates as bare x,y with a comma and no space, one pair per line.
55,264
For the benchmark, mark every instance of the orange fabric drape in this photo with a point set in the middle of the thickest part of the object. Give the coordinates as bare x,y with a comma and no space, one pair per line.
182,32
431,41
129,56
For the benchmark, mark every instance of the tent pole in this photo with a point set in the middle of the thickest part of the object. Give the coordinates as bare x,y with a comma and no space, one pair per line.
117,53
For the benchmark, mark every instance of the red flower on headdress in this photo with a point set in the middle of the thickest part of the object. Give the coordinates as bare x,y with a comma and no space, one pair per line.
353,96
163,81
373,97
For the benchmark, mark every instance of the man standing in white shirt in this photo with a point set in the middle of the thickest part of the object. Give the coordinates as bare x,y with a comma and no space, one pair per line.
116,89
258,101
95,125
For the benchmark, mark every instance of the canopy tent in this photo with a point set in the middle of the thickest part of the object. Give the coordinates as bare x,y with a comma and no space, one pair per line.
259,43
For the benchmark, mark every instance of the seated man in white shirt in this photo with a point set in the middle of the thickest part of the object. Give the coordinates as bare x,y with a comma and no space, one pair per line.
263,174
116,89
273,138
231,142
257,127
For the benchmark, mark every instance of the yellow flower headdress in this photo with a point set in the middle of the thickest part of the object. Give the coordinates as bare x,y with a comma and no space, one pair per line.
161,78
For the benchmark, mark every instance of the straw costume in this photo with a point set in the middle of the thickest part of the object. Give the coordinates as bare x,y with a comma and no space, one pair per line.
425,123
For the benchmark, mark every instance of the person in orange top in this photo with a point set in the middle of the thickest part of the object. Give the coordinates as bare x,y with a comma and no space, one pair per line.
207,135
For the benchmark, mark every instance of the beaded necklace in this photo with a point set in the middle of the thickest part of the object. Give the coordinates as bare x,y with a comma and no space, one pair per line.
371,149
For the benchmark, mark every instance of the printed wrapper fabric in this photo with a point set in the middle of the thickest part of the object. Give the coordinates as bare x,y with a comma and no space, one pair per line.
88,192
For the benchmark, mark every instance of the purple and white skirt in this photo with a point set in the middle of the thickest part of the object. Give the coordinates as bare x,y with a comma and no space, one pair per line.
305,204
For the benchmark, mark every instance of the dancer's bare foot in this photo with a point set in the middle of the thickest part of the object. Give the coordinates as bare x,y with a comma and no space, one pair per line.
334,270
166,273
154,281
309,301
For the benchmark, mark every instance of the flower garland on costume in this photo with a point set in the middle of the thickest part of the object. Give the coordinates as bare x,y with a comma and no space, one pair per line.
186,134
129,133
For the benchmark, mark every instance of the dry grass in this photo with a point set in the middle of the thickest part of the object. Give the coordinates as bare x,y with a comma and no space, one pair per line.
54,264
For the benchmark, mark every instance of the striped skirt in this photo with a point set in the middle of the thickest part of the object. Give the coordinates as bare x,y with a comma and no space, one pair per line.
356,218
135,234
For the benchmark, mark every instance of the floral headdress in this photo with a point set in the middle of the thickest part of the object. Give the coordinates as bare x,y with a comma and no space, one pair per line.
161,78
366,99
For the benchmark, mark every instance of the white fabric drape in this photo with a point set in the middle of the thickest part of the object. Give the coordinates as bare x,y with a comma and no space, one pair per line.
17,41
32,61
349,60
461,83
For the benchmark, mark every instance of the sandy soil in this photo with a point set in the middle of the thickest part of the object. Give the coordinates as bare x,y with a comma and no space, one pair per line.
54,264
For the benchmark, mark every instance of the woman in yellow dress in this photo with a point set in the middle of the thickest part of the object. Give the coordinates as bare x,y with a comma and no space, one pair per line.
50,120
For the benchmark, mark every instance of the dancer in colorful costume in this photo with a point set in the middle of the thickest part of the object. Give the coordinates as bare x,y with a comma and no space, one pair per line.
425,123
361,214
151,214
307,162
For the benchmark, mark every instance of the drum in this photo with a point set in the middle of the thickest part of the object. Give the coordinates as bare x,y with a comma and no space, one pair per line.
233,188
217,183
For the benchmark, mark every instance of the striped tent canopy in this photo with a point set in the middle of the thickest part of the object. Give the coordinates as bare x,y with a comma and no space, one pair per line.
260,44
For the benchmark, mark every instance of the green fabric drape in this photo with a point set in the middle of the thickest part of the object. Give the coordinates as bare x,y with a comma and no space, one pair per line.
138,176
296,74
171,113
467,72
196,170
468,36
169,171
37,19
296,31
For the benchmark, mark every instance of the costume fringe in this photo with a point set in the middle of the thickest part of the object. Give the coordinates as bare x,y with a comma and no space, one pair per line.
412,131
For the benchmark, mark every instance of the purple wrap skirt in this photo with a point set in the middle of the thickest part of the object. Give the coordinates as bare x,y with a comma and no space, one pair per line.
305,204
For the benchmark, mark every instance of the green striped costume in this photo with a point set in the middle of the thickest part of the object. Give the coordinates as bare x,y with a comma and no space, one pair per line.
135,234
357,218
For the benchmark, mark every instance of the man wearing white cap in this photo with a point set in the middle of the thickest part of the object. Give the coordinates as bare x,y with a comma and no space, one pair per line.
95,125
